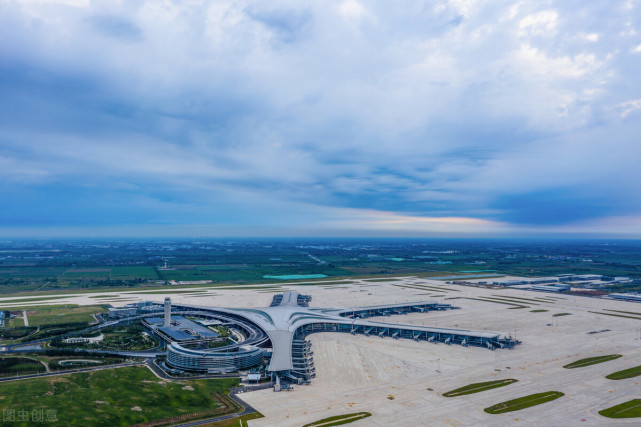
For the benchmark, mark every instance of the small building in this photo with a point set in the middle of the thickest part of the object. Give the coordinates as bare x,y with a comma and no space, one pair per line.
83,340
253,378
627,297
551,288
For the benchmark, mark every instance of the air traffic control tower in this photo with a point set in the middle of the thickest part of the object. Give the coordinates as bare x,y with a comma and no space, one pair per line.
167,312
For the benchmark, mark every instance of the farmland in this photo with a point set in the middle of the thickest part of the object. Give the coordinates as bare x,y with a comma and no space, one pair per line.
100,265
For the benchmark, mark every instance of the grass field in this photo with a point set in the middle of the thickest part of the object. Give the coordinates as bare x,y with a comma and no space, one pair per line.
53,360
110,273
10,366
591,361
63,314
629,409
13,334
478,387
16,322
626,373
523,402
115,397
339,420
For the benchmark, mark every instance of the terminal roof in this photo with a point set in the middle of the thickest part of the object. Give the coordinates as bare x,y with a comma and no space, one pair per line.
281,322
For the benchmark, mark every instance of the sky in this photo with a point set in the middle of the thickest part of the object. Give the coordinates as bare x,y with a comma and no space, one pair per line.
320,118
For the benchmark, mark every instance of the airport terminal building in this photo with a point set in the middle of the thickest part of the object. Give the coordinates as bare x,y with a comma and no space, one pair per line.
276,334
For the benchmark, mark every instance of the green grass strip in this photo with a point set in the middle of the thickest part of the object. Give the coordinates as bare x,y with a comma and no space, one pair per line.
624,312
411,287
478,387
538,311
491,300
509,300
629,409
627,373
561,314
21,300
615,315
524,299
428,288
591,361
339,420
523,402
36,307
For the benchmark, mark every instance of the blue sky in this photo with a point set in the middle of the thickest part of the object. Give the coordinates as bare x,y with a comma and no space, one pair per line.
320,118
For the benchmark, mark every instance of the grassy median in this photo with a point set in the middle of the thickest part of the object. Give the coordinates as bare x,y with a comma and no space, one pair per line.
629,409
591,361
523,402
339,420
478,387
627,373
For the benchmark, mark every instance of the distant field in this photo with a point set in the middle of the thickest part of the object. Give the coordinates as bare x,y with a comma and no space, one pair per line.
112,273
48,316
16,322
116,397
66,265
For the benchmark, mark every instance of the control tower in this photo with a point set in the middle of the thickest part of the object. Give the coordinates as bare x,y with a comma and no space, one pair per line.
167,312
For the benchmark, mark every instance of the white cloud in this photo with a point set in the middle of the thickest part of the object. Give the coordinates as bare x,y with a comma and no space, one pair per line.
593,37
436,108
352,9
629,106
543,23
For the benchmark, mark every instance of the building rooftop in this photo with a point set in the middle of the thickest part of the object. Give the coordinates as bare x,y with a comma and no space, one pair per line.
182,329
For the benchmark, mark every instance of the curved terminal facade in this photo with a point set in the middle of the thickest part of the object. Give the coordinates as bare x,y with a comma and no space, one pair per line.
214,362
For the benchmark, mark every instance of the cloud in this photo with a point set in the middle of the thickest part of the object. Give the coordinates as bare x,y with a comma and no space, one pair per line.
116,27
503,115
